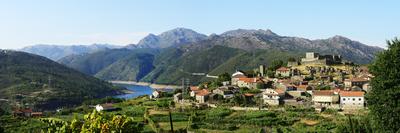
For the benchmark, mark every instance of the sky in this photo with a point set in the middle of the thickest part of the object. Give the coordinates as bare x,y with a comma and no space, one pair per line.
122,22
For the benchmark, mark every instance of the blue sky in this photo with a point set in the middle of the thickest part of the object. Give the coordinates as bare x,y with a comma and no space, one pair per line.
120,22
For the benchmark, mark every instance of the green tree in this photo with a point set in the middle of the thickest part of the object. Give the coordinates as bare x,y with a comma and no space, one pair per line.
260,85
275,65
291,59
93,122
224,77
384,97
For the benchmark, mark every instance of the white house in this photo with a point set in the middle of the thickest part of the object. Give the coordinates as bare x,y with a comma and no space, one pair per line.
273,97
283,72
156,94
194,90
236,76
105,107
177,97
202,96
351,99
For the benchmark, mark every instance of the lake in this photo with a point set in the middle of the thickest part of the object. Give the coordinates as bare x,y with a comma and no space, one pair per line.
137,91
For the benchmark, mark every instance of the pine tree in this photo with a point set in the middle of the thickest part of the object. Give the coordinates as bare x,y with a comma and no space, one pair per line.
384,98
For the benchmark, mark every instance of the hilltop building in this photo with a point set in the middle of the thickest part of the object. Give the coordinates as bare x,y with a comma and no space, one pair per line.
317,59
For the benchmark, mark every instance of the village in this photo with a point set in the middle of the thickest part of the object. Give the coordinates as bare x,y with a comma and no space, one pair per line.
307,94
318,81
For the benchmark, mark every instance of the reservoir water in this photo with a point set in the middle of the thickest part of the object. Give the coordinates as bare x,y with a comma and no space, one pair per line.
137,91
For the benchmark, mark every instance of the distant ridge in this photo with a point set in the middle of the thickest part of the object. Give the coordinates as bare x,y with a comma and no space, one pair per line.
56,52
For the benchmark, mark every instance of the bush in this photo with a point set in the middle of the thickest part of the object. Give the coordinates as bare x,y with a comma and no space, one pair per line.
218,112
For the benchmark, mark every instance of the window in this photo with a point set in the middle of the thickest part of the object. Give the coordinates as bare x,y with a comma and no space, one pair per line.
344,99
354,99
359,99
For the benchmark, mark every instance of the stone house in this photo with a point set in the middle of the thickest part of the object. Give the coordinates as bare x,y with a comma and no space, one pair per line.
325,98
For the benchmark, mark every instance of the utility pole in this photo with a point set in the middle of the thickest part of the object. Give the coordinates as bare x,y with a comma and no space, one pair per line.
183,86
170,121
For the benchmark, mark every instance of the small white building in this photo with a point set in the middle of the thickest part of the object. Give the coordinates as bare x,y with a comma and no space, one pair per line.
273,97
177,97
283,72
156,94
236,76
202,96
105,107
351,99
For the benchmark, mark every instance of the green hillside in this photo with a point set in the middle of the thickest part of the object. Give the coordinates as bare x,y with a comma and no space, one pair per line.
175,65
252,60
35,80
130,68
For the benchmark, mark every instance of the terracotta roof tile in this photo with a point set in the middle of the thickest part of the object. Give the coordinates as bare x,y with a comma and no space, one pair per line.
283,69
351,93
248,94
248,80
280,91
194,88
323,93
203,92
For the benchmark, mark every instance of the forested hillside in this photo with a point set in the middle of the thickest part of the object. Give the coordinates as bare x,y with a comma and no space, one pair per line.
32,79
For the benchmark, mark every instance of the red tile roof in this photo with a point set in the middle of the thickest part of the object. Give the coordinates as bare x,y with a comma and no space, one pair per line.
203,92
351,93
302,87
323,93
357,79
248,80
248,94
283,69
194,88
280,91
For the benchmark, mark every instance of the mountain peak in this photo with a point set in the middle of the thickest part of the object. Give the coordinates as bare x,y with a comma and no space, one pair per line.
339,38
174,37
248,32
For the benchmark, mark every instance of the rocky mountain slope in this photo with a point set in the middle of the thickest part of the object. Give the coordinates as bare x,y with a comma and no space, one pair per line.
174,37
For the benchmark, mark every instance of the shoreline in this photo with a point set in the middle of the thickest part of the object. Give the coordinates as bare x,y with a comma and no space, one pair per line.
155,86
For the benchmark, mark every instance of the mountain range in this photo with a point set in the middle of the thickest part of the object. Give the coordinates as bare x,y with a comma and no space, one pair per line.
29,78
174,54
56,52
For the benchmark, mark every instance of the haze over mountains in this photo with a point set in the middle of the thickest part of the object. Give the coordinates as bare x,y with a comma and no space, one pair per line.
177,53
56,52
